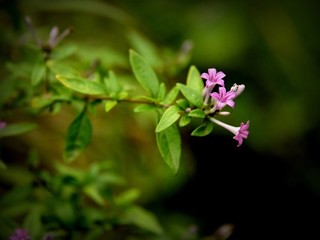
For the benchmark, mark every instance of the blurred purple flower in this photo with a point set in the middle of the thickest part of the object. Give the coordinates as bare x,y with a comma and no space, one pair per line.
48,236
2,124
20,234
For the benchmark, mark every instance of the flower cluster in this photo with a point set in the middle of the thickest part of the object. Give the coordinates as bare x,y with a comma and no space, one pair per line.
218,100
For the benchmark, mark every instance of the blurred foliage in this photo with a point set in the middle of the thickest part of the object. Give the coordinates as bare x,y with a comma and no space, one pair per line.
272,47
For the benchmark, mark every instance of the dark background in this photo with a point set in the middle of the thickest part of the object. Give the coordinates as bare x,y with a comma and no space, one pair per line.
269,188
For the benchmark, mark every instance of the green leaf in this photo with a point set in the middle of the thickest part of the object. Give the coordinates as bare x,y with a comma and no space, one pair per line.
144,108
78,136
144,73
93,192
82,85
171,96
191,95
169,145
170,116
127,197
122,95
194,80
146,98
16,129
197,113
112,83
147,49
70,171
203,130
183,103
184,121
162,91
32,221
41,102
38,73
110,104
143,219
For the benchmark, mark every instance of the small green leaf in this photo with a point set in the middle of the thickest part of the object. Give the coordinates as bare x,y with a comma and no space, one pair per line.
162,91
32,221
93,192
143,219
144,73
183,103
78,136
149,99
112,84
203,130
16,129
191,95
197,113
110,104
41,102
127,197
144,108
38,73
122,95
82,85
194,80
170,116
169,145
171,96
184,120
147,49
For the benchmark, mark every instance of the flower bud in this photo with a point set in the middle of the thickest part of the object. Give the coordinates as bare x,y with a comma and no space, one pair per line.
237,89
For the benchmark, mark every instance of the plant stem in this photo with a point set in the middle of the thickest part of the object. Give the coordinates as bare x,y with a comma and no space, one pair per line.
130,100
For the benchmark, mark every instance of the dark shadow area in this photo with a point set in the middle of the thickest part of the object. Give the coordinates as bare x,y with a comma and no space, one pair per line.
264,196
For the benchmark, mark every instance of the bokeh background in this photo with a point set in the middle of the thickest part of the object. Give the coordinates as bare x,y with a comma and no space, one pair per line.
269,188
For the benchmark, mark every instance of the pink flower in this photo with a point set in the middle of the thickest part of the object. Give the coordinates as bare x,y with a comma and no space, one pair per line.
213,77
223,98
240,133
